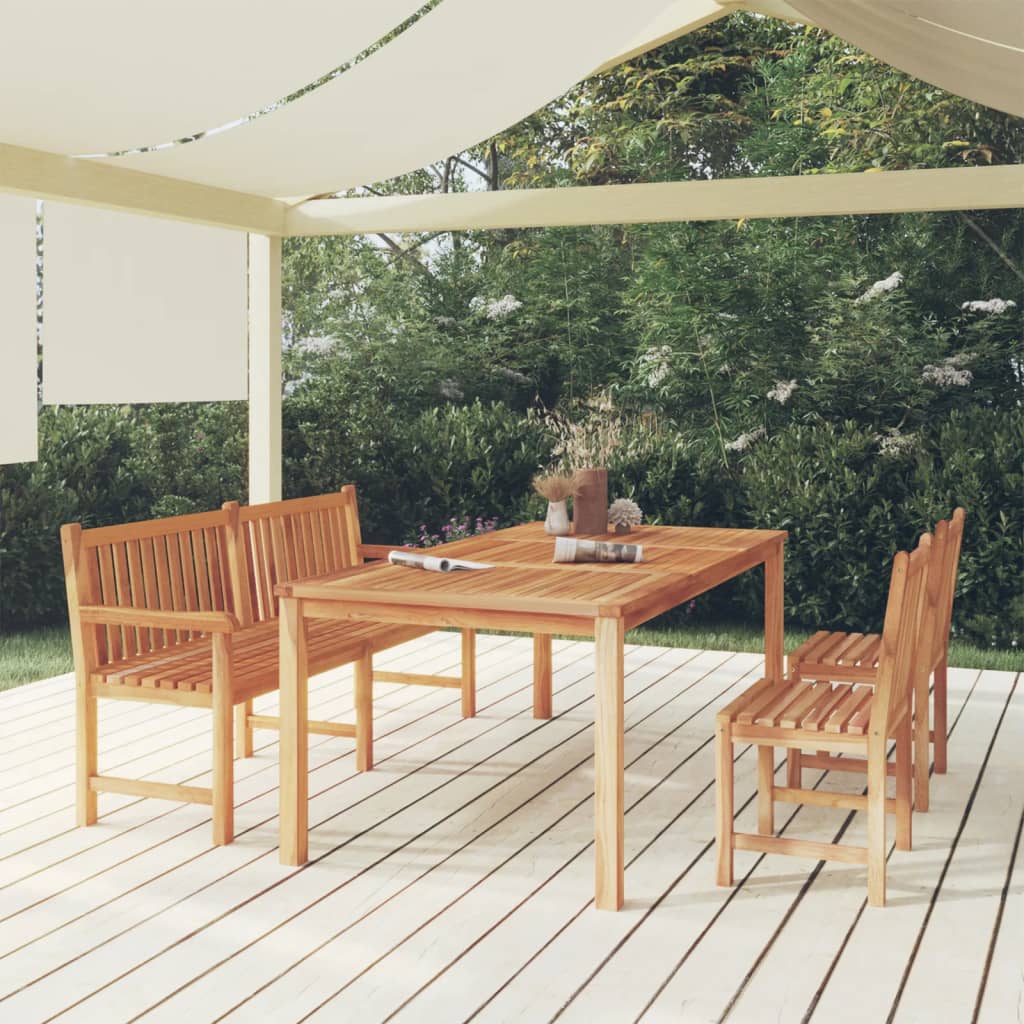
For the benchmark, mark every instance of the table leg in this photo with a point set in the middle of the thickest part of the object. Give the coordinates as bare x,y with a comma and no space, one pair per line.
541,675
294,736
609,805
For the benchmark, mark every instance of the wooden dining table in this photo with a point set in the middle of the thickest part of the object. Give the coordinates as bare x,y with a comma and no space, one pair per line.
526,592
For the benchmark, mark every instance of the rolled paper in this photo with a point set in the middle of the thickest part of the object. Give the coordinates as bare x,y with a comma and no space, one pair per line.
570,549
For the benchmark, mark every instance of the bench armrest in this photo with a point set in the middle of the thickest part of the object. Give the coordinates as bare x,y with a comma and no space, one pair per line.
372,551
151,618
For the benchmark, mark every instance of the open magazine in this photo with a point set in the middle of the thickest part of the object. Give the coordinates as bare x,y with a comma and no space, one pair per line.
414,560
568,549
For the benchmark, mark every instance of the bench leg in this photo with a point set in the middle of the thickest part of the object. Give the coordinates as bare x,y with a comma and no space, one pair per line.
468,673
766,790
876,820
223,743
86,808
542,675
723,803
243,730
364,712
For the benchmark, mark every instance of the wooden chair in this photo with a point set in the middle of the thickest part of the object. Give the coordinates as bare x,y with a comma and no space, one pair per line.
843,719
853,658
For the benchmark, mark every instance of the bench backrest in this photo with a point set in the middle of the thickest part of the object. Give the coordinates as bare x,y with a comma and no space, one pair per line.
288,540
181,563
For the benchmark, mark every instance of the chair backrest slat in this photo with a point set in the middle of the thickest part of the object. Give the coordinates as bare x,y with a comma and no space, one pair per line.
902,635
294,539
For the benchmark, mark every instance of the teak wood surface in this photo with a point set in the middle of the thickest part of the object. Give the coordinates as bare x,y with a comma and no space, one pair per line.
525,591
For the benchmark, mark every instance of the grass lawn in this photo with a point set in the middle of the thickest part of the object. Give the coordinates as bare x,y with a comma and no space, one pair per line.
41,653
34,654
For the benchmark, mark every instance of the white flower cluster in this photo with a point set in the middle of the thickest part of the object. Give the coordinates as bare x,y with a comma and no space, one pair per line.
291,386
745,440
893,444
987,306
655,365
948,373
495,309
783,391
887,284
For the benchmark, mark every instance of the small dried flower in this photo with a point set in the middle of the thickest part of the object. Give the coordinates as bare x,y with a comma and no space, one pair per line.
894,444
989,306
745,440
887,284
556,486
783,391
948,374
495,309
623,512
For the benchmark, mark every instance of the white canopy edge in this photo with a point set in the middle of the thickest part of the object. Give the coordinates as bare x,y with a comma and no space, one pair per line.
18,349
967,188
938,42
109,75
461,74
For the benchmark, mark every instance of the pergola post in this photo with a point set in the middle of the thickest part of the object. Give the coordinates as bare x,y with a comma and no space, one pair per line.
264,368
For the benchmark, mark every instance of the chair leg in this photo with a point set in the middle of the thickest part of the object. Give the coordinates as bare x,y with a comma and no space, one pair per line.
905,758
243,730
794,769
922,743
468,673
765,790
223,743
941,722
876,820
364,713
723,803
86,714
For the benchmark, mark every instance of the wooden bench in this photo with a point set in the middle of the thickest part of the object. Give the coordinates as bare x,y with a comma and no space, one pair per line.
182,611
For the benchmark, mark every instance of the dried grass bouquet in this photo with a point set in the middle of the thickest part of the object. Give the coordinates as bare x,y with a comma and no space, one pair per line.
556,486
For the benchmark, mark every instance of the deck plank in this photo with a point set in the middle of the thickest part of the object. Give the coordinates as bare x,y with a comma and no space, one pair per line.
455,880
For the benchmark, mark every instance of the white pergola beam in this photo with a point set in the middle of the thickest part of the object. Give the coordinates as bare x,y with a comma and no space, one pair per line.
264,368
31,172
812,195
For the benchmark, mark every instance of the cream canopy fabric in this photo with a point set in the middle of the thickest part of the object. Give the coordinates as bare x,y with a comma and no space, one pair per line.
464,72
105,76
141,310
18,350
100,76
974,49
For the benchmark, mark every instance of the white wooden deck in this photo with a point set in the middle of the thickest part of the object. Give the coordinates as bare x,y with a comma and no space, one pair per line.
453,882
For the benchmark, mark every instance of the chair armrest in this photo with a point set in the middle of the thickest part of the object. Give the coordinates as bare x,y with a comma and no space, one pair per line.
374,551
151,618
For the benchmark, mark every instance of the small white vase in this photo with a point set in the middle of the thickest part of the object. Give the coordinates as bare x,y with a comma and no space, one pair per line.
557,521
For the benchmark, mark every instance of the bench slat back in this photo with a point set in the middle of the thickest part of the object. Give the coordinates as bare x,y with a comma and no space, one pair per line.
288,540
179,563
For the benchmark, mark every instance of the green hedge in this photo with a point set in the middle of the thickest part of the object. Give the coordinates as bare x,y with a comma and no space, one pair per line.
846,505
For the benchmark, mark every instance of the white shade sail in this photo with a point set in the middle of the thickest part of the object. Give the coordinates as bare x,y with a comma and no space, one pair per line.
464,72
107,75
975,49
18,350
141,310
